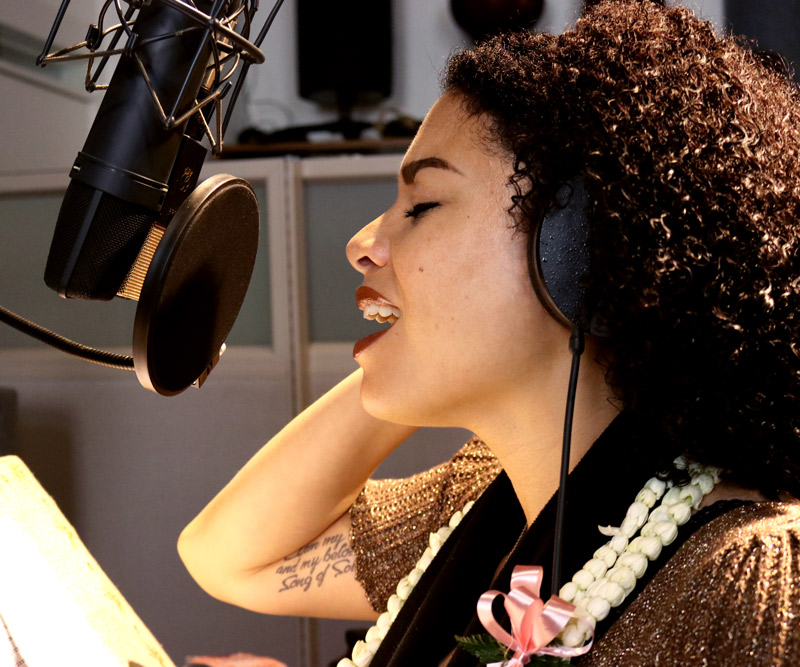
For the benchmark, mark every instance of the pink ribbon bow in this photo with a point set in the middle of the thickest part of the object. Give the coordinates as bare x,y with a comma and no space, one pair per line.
534,624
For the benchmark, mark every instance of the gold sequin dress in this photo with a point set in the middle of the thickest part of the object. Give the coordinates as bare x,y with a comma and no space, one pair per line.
392,518
729,596
726,594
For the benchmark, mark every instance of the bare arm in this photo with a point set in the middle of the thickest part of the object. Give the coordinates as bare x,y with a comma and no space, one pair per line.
292,498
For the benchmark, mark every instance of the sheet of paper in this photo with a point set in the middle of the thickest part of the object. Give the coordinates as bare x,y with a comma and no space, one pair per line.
58,604
43,619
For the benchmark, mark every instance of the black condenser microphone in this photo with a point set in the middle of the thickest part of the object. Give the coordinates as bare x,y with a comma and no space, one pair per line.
134,222
119,180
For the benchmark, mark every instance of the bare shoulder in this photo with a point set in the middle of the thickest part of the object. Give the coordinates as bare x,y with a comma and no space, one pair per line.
728,596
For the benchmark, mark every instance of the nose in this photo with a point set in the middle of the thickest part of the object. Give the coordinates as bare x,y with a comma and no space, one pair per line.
369,248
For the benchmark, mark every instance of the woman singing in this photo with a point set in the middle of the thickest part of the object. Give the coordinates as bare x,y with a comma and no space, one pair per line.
677,151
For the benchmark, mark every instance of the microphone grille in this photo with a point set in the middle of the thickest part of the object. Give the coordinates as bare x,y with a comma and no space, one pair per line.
96,240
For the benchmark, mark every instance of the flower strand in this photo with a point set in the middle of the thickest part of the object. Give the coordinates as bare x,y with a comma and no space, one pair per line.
365,650
611,575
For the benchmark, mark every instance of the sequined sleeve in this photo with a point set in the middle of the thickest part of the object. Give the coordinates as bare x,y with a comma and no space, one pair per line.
392,518
729,596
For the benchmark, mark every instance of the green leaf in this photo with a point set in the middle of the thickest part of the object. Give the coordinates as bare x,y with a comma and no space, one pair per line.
487,649
547,661
484,647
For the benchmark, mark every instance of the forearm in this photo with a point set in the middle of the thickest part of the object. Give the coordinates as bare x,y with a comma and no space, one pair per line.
296,486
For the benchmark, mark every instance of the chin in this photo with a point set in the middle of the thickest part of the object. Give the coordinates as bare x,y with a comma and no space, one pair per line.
381,406
394,406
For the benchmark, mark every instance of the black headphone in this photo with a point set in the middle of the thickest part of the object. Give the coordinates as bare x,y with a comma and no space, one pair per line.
559,259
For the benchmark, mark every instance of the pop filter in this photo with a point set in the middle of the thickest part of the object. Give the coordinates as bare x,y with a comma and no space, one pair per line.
195,285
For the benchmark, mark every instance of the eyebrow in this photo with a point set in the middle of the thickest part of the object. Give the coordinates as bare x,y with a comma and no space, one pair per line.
410,170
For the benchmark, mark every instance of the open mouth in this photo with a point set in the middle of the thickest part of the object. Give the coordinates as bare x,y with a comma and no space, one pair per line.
375,306
382,313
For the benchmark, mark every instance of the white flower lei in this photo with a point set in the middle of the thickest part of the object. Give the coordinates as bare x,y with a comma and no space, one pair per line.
609,577
605,580
364,651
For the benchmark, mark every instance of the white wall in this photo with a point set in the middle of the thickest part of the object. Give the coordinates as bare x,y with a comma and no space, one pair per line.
35,136
711,10
44,116
425,34
36,16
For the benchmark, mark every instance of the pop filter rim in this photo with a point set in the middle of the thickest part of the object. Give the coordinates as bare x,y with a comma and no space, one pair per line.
165,280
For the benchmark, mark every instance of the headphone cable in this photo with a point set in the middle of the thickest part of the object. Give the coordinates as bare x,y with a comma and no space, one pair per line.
576,346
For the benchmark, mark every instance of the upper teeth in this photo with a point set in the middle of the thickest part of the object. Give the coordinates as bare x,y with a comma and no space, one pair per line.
382,313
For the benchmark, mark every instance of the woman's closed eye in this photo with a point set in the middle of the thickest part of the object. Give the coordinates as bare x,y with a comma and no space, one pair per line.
416,211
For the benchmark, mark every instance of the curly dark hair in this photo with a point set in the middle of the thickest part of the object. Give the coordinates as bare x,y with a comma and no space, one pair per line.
689,146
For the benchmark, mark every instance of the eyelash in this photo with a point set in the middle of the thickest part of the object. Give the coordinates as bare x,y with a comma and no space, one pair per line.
417,210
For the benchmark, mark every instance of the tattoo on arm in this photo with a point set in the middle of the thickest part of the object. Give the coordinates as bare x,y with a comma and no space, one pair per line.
318,561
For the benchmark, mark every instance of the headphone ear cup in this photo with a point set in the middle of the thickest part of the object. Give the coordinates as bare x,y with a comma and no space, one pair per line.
559,257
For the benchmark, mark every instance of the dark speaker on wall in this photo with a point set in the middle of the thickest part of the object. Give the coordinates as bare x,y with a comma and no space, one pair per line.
345,52
774,25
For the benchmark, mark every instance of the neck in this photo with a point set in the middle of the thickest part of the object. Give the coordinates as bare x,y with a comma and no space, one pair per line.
527,439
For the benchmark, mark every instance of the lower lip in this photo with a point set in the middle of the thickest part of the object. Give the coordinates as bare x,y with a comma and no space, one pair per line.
365,342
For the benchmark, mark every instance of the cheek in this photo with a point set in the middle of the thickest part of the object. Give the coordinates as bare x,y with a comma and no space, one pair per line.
477,285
